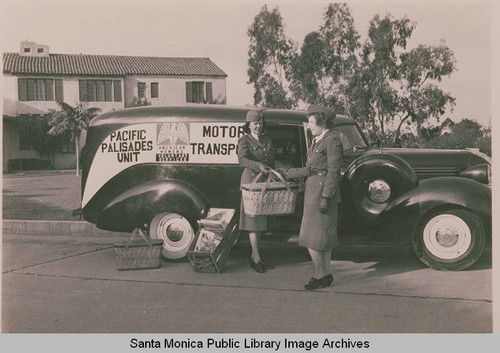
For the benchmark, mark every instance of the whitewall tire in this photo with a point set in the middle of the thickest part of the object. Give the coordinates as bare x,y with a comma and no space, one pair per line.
176,233
450,239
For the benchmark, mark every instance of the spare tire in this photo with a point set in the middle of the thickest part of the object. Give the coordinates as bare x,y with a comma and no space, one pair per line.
373,181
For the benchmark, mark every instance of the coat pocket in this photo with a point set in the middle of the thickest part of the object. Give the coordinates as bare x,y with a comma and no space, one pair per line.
314,187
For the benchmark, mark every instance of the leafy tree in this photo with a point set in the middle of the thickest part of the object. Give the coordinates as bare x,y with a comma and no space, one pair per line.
373,91
327,61
385,87
465,134
73,119
396,88
420,98
36,127
270,55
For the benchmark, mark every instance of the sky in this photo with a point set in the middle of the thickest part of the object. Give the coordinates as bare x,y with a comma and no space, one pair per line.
218,30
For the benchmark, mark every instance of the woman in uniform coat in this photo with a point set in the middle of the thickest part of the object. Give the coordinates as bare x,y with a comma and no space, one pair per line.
256,154
318,230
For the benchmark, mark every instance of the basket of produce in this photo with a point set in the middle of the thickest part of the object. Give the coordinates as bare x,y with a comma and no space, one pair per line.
273,197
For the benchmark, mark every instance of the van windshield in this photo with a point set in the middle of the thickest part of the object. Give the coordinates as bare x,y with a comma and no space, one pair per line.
351,138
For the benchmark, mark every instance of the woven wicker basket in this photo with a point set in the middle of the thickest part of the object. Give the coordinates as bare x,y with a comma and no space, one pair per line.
270,198
138,254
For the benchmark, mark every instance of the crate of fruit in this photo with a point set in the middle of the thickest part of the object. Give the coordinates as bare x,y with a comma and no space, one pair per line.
212,244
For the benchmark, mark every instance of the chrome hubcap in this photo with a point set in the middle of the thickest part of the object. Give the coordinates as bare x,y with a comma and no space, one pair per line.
379,191
177,235
447,236
174,232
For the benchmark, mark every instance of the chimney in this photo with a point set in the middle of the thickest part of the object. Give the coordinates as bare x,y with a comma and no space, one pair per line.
33,49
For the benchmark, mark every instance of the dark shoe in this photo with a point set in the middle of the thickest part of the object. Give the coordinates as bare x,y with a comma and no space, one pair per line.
266,264
315,283
257,266
328,280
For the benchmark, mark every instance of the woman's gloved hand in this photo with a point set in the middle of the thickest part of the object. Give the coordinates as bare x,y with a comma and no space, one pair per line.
263,168
282,172
323,205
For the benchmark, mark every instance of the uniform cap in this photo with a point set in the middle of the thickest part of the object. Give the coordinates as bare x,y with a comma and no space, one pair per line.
314,108
253,116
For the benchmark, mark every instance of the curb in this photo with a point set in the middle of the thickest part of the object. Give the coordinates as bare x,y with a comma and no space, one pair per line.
55,228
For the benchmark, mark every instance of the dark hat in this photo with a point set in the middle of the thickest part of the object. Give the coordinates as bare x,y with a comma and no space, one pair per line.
314,108
253,116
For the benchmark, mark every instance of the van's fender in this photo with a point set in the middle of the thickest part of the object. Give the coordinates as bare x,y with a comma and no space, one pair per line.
138,205
399,220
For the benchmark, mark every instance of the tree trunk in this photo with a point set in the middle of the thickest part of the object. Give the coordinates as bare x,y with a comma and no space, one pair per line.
77,154
398,130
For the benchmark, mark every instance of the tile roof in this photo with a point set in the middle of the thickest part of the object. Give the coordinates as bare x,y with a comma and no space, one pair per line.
108,65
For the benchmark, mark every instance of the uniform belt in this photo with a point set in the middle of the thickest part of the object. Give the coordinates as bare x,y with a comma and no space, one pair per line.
319,171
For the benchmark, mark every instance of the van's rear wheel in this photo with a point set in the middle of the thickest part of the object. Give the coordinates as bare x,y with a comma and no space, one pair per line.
176,232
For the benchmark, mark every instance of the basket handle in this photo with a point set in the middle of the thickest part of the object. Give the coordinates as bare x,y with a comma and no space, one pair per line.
272,173
141,234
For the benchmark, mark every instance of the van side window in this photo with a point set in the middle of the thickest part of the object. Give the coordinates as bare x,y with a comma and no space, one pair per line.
286,143
345,142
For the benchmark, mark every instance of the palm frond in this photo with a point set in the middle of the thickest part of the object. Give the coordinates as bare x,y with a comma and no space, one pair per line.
70,118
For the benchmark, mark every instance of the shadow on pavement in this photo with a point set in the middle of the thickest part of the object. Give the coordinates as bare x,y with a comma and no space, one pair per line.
374,259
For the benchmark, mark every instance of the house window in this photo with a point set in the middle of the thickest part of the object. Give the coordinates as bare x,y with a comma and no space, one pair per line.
40,90
31,89
68,143
154,90
141,90
100,90
59,91
194,92
40,50
117,89
208,89
107,91
27,50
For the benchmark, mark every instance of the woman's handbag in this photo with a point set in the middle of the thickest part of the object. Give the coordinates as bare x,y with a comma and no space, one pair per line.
274,197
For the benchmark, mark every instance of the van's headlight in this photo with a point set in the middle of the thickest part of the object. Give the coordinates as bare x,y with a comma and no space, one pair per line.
480,172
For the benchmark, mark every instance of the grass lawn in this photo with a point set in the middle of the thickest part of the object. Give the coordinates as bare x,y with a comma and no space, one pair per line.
41,195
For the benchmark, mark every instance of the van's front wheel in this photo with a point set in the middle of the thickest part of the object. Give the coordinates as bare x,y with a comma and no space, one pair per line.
176,232
450,240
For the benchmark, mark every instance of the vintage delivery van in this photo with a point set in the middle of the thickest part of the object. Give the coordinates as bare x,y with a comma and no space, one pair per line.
162,168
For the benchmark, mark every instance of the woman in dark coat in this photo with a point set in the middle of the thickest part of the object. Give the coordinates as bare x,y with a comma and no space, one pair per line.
318,230
256,154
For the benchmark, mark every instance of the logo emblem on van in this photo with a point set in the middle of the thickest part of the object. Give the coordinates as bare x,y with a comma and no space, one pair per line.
171,134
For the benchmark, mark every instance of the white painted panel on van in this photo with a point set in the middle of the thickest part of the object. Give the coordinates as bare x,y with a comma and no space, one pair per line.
120,150
167,143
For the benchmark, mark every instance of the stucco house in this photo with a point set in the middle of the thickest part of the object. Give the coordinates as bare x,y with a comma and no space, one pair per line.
34,80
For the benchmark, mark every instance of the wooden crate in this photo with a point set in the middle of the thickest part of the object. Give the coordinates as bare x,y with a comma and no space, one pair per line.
219,237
